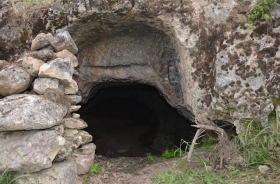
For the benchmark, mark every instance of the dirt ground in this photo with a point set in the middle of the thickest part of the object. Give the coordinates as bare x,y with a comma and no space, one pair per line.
129,170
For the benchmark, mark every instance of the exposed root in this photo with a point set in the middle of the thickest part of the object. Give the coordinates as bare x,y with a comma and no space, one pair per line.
224,147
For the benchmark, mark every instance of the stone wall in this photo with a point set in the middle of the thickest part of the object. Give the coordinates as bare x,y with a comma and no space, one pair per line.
38,128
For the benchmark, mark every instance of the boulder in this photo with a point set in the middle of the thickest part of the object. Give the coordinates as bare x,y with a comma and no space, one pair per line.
31,65
68,56
74,123
72,88
40,41
13,80
60,173
29,151
63,40
26,112
59,69
75,99
47,85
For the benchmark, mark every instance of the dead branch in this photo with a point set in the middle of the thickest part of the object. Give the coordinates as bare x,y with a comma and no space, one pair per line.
224,145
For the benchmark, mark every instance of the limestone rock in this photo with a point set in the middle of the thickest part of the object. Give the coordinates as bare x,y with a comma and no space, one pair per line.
77,137
13,80
75,115
31,65
74,123
68,56
88,148
60,173
83,162
263,169
64,152
72,88
29,151
41,40
26,112
75,99
44,55
59,69
62,41
47,85
74,108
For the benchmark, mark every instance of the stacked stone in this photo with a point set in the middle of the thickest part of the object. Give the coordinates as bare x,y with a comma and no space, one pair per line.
34,131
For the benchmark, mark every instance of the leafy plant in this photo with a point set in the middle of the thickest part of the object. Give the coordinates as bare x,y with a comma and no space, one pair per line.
94,168
150,157
260,11
171,153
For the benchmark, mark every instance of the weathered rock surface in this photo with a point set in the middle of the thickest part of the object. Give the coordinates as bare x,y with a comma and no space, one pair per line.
44,55
72,88
62,41
29,151
31,65
83,162
75,99
88,148
59,69
26,112
74,123
74,108
68,56
40,41
60,173
13,80
47,85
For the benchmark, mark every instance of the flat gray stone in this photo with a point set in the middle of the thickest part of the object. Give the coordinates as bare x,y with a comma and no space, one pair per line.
26,112
74,123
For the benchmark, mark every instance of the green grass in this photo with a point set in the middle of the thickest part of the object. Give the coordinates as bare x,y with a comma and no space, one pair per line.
260,11
150,157
257,145
189,176
8,178
172,153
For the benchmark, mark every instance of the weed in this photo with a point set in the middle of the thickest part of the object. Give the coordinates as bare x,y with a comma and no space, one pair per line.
94,168
189,176
257,144
171,153
9,178
150,157
260,11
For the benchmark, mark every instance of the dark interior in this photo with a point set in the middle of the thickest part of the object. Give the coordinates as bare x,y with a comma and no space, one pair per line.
133,120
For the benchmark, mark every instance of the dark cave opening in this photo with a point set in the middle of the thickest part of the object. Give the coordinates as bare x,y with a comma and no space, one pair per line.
133,120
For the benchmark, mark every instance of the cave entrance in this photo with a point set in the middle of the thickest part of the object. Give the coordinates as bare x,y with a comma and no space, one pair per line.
133,120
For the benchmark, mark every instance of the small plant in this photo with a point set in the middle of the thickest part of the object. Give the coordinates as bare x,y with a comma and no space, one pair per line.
260,11
171,153
94,168
9,178
257,144
150,157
